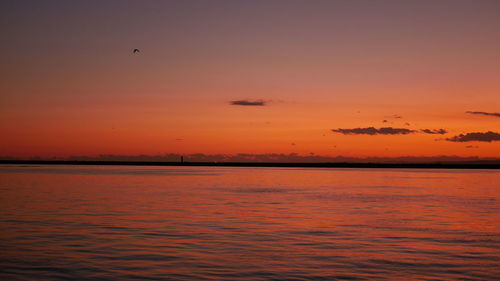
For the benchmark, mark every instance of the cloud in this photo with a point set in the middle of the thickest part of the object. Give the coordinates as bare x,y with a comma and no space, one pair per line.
271,158
374,131
476,136
434,131
484,113
248,102
395,116
387,131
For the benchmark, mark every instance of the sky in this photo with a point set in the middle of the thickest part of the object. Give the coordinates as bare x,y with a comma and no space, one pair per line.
352,78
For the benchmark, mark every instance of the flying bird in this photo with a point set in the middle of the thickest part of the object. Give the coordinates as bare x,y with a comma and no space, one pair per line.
135,51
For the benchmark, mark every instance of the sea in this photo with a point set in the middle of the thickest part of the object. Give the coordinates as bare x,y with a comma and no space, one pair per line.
222,223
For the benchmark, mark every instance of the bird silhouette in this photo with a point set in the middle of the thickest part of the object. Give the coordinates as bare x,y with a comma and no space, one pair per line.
135,51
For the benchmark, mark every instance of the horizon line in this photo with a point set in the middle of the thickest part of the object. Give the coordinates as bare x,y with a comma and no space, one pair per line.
484,164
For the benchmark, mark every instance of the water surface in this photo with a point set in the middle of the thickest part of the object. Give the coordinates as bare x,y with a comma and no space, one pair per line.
212,223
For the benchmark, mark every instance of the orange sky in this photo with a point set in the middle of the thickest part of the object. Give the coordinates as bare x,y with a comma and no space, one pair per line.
70,84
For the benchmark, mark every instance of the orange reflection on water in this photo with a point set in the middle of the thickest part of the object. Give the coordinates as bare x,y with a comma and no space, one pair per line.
248,223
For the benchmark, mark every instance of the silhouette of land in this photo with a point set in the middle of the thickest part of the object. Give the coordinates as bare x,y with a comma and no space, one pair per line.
475,165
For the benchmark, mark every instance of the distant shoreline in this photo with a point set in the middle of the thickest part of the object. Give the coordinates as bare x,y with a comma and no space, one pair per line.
263,164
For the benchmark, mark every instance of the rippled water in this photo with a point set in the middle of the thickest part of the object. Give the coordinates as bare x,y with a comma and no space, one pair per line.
177,223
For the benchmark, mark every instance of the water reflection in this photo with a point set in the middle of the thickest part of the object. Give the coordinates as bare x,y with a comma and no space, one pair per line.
174,223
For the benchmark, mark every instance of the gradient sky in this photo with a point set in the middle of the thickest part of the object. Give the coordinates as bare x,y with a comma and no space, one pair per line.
70,84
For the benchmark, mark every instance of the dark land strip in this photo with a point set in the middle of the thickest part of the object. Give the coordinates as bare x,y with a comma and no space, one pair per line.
486,165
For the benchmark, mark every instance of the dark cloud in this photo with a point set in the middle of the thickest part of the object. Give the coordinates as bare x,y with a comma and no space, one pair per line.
374,131
248,102
434,131
472,146
387,131
484,113
476,136
395,116
271,158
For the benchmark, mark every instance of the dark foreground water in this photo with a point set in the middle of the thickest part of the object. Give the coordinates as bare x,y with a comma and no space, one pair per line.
175,223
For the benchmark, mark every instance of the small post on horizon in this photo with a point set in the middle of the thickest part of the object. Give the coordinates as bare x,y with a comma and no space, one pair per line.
182,159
